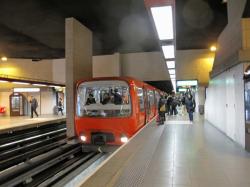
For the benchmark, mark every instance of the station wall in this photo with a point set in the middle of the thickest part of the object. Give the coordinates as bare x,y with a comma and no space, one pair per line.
27,69
4,100
194,64
224,106
59,71
107,65
46,101
148,66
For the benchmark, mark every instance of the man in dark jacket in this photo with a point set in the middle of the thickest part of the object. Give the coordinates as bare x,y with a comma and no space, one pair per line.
33,105
117,97
190,105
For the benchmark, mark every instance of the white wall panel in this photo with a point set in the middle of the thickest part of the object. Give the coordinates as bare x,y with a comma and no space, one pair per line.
224,106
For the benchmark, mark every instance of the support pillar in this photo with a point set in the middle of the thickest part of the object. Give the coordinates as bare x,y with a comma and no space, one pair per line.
78,50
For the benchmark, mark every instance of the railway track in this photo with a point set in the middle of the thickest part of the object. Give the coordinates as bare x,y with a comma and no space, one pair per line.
18,147
42,157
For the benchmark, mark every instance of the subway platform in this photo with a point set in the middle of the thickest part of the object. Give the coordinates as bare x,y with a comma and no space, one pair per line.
8,124
177,154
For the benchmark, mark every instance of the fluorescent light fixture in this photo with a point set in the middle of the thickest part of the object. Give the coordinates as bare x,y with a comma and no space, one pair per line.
168,51
26,89
171,64
213,48
171,71
163,19
187,83
172,76
39,85
26,83
4,58
2,81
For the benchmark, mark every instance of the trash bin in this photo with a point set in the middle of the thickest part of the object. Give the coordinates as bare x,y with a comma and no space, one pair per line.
201,109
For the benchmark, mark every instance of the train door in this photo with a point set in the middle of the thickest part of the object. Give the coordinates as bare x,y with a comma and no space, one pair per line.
142,109
146,105
157,97
151,102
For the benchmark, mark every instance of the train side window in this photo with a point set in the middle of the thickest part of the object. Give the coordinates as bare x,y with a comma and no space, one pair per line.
141,99
157,98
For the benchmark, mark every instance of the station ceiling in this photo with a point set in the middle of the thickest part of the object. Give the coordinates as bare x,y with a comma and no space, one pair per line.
35,28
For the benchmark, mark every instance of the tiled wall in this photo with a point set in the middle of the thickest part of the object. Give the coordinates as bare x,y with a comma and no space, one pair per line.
224,106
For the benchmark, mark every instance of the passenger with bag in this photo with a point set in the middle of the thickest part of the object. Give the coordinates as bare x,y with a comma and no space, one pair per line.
162,111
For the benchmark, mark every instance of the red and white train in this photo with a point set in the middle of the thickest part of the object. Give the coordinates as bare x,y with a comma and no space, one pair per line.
111,110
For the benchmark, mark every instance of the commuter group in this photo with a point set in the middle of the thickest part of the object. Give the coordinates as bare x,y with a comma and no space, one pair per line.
173,105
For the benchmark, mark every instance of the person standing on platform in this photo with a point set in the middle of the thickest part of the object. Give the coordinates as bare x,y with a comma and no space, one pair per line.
190,106
60,106
33,105
162,110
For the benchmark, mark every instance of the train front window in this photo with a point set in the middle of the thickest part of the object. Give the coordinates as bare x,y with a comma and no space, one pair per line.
103,99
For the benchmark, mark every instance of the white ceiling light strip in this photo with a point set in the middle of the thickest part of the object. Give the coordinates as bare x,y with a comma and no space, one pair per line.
25,83
39,85
172,77
163,19
170,64
168,51
26,89
171,71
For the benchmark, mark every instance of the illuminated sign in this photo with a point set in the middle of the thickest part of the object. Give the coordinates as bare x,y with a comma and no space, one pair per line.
187,83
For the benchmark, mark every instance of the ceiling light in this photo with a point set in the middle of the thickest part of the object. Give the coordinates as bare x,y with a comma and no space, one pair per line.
4,58
168,51
213,48
172,76
163,19
38,84
26,89
171,71
170,64
20,83
2,81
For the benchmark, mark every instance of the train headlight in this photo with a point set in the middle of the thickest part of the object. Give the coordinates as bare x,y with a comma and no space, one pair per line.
124,139
83,138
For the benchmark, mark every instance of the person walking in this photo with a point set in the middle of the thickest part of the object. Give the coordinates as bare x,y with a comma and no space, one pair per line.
60,106
33,106
190,106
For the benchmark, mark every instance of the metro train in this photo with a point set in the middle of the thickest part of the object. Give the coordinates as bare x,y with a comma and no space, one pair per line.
111,110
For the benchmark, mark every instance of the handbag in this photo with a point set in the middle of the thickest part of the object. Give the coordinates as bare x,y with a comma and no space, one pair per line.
163,108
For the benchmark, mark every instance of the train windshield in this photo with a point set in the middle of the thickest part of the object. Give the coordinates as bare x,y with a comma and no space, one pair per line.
103,99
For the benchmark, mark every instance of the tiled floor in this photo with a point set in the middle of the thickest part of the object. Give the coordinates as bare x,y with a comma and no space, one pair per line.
177,154
7,123
197,155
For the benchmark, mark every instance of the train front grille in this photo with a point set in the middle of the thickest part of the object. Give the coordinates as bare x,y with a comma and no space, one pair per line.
100,138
